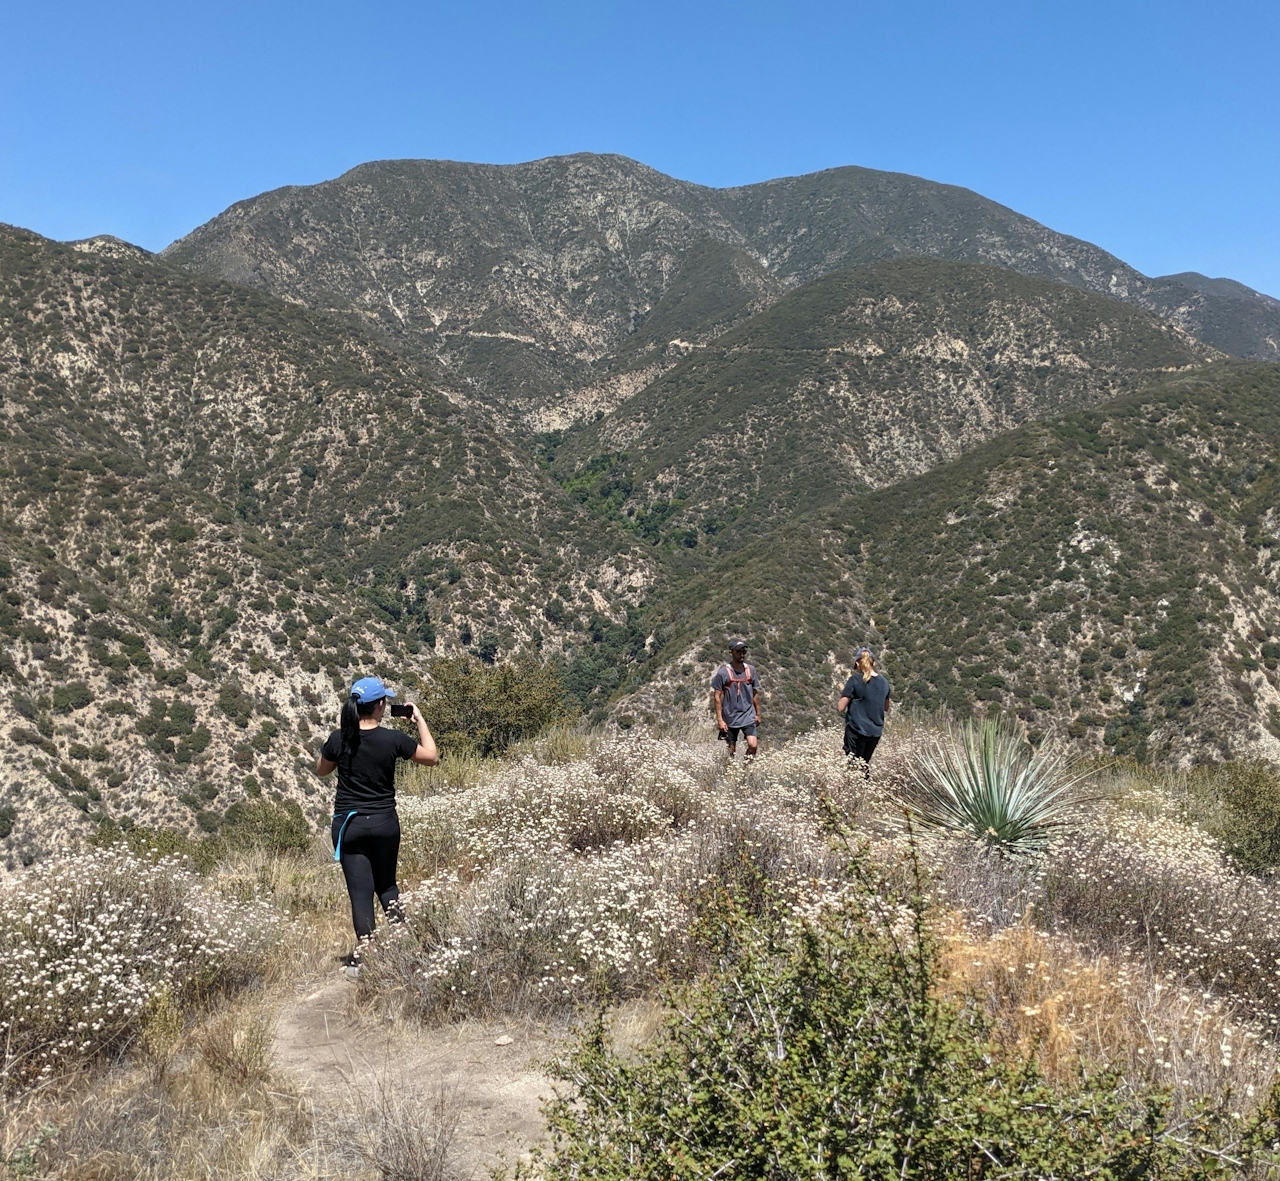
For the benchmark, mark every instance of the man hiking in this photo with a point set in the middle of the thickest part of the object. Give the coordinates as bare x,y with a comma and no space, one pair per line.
736,695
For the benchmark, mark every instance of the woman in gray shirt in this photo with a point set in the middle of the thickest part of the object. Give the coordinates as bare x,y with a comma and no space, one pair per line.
865,705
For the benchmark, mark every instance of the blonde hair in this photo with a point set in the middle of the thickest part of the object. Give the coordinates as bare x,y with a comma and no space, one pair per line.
866,665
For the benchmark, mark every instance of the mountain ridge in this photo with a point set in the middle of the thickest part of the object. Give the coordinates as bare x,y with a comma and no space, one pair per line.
523,278
856,380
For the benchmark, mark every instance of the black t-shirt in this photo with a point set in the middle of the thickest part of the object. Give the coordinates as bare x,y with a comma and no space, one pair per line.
865,714
367,778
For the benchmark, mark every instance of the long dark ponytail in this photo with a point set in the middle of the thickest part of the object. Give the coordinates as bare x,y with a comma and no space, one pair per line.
353,709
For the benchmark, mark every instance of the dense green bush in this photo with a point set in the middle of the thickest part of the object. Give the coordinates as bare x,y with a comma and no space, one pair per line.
482,709
253,824
817,1048
1239,803
263,824
67,698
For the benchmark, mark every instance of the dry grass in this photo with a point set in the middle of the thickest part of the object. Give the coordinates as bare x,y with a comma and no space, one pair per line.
634,1024
454,772
567,743
1165,892
205,1105
213,1108
1074,1010
401,1132
295,883
306,888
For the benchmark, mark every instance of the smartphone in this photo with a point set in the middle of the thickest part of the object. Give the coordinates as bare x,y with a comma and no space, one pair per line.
401,711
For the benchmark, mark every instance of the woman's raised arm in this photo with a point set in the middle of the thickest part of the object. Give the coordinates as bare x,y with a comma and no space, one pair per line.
426,754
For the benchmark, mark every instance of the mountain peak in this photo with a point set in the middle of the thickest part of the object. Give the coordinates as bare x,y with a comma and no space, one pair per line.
109,246
1224,288
569,253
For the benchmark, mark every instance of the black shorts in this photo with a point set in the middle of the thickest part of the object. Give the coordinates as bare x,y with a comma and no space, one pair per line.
860,746
731,734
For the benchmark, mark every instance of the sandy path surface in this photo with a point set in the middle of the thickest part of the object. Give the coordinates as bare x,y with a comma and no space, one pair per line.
340,1056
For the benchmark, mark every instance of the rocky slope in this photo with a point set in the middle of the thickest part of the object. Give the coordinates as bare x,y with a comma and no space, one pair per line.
217,507
1233,317
853,382
524,278
1112,574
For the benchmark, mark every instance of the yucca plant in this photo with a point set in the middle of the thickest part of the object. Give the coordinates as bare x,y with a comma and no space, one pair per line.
984,780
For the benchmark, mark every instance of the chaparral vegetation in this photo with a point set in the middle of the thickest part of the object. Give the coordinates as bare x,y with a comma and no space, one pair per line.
836,987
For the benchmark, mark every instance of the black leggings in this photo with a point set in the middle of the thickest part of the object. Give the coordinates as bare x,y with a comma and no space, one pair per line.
370,847
861,746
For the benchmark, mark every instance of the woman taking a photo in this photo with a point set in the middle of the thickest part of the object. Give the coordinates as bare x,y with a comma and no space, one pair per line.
366,828
865,704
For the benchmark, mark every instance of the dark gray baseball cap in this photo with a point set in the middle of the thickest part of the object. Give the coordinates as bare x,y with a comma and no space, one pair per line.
737,645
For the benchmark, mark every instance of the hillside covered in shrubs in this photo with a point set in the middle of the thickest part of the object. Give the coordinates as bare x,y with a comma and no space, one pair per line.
217,508
1107,575
839,985
223,504
848,384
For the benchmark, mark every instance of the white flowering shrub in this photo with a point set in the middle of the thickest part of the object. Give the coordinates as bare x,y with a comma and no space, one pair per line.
532,932
542,887
89,943
1151,883
811,766
536,808
548,885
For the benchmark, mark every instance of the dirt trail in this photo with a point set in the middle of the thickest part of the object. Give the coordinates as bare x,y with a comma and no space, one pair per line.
339,1055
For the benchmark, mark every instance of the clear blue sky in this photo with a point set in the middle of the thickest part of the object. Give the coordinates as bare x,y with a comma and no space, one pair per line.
1152,129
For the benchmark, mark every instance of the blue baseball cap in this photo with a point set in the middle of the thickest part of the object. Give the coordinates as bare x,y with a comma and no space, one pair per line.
368,689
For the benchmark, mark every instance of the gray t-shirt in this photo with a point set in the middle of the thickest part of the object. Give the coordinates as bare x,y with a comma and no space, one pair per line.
866,704
738,706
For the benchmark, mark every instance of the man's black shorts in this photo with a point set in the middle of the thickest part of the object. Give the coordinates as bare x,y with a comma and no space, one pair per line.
731,734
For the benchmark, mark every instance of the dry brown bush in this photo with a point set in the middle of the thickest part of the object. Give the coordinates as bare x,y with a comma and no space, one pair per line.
400,1132
1073,1010
236,1046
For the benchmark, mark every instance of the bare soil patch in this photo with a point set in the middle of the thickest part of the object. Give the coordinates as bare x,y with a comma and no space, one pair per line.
341,1055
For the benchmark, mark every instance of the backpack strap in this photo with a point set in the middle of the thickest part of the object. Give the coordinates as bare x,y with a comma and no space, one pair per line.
734,681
